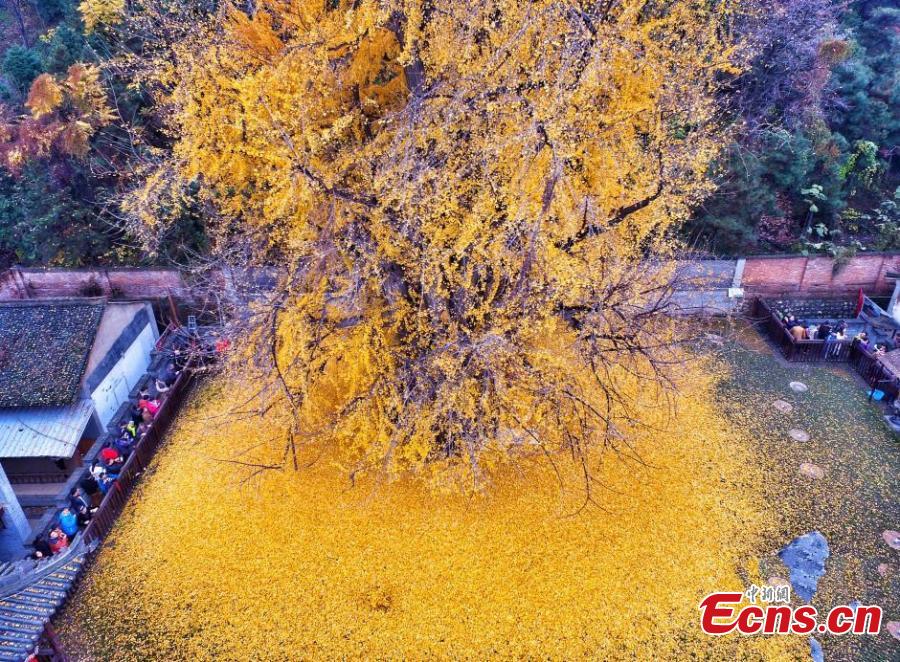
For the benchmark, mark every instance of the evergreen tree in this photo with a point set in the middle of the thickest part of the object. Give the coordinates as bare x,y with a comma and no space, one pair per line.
819,107
42,221
21,65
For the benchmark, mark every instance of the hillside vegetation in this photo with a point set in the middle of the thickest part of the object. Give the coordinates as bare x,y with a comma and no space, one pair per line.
808,159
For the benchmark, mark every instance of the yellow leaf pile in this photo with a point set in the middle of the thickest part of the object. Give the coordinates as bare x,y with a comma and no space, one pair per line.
302,565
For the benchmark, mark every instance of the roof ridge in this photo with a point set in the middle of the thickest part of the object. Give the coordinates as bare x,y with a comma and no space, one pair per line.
60,301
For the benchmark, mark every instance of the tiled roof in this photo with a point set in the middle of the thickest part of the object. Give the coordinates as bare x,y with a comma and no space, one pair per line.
44,347
24,613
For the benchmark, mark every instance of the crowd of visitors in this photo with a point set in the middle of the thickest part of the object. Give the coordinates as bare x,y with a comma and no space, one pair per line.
104,470
802,330
830,332
878,338
181,348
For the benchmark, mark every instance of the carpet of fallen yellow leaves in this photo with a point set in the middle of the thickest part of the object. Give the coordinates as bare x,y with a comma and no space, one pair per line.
302,565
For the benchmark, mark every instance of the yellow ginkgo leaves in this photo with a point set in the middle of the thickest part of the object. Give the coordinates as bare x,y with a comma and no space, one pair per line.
458,195
307,565
44,97
97,13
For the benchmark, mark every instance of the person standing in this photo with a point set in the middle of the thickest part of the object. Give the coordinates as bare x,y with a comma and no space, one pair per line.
826,334
68,522
80,504
58,540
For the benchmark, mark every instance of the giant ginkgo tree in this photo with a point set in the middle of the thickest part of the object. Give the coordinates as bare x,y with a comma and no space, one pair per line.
470,202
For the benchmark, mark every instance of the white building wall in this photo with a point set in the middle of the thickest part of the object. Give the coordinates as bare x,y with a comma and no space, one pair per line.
113,390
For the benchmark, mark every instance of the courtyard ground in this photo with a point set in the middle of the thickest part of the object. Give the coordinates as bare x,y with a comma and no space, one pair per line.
858,495
303,563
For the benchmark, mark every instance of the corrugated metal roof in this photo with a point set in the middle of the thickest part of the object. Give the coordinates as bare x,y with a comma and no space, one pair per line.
43,431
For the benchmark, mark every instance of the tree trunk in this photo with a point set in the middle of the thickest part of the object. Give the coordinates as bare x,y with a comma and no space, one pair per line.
17,11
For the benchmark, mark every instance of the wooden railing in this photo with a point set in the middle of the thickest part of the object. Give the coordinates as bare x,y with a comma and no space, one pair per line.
115,499
874,372
801,351
869,365
779,335
813,351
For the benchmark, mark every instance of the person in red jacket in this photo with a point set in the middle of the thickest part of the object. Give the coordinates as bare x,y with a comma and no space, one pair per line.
149,405
109,455
111,460
58,540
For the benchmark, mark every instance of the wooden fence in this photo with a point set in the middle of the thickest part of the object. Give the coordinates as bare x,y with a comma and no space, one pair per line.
115,499
874,372
801,351
869,366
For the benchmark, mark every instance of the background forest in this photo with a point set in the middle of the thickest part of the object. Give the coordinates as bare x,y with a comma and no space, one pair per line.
811,165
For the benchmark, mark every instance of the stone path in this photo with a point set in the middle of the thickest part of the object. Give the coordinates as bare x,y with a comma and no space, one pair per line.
798,435
783,406
892,538
813,471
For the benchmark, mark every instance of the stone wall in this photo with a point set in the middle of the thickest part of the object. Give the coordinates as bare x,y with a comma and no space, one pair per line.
814,308
710,280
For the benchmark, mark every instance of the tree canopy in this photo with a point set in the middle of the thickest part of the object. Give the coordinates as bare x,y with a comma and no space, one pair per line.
460,194
818,92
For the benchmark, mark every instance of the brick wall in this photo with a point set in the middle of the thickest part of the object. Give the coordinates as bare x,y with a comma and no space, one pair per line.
762,276
12,286
19,283
816,275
